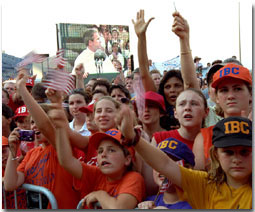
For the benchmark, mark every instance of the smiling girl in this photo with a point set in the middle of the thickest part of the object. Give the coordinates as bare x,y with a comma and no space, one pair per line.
105,111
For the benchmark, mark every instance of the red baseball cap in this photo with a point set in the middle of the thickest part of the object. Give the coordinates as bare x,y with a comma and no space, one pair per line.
231,70
114,134
30,82
4,141
89,108
155,99
21,111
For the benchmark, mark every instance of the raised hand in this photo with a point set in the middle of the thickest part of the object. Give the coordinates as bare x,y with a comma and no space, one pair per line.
58,116
21,78
140,25
79,70
125,120
14,141
180,26
54,96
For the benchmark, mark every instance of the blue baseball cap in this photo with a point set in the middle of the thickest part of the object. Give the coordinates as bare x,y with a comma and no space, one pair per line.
177,149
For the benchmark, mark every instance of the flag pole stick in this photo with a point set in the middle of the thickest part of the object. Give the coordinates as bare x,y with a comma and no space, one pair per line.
239,29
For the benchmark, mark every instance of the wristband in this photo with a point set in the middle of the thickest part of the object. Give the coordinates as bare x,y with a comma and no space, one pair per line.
15,158
188,52
135,140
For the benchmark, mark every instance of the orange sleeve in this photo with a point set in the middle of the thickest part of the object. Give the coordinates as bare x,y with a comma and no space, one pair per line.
207,134
86,184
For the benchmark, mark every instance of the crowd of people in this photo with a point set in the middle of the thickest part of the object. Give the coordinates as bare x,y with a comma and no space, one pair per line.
142,140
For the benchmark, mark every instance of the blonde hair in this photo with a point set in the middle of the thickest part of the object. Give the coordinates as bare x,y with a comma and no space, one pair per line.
215,173
116,103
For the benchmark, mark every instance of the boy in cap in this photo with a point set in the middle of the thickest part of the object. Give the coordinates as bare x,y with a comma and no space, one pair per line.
167,197
22,120
116,186
15,100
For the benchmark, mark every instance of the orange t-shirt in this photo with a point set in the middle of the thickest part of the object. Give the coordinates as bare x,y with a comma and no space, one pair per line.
41,167
27,147
207,134
91,155
131,183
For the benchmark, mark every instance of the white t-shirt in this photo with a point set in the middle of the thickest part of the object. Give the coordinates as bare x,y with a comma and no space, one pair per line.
87,59
83,131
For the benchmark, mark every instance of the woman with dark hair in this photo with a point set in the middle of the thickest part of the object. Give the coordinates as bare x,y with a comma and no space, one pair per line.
170,87
77,99
119,91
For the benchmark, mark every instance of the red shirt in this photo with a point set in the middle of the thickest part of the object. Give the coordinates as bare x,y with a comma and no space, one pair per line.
160,136
13,105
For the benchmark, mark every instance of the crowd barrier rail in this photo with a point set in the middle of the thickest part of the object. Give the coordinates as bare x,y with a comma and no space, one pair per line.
96,205
40,190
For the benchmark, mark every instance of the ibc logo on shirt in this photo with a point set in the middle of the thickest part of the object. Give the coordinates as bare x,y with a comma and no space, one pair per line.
227,71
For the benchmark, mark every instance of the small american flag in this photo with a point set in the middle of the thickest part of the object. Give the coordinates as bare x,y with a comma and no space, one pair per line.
140,99
31,57
165,185
180,162
59,61
57,78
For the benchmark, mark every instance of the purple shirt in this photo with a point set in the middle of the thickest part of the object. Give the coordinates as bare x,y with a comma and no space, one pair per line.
160,202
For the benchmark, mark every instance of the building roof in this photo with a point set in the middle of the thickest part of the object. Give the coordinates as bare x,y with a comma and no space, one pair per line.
8,66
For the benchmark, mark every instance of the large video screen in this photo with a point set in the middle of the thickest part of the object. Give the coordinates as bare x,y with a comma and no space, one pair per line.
71,38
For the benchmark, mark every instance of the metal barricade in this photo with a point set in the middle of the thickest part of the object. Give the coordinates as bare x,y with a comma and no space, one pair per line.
79,206
96,205
40,190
